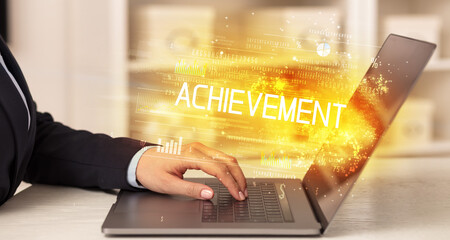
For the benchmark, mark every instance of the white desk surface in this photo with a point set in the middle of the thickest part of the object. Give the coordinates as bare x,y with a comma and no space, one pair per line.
393,199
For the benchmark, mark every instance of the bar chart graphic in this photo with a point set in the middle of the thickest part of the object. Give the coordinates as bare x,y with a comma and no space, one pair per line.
194,70
279,162
170,147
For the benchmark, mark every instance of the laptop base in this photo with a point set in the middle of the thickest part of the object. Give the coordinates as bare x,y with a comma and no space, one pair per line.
149,213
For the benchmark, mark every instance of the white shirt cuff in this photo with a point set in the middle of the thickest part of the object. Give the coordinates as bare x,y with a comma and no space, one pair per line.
131,173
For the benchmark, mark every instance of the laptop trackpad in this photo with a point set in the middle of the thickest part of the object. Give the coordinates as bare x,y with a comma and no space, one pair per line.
156,203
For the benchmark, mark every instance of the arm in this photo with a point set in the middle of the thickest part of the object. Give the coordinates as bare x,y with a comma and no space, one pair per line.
79,158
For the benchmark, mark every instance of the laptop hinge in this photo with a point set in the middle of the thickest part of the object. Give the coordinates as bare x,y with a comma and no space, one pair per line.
320,216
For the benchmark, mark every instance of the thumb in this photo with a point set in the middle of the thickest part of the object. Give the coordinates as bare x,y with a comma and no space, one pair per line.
190,189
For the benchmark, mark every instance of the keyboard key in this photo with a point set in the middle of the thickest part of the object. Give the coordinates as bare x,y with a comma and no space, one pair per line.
273,214
258,220
262,205
275,220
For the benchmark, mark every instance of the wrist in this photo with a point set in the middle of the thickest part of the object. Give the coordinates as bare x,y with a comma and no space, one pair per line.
144,158
132,167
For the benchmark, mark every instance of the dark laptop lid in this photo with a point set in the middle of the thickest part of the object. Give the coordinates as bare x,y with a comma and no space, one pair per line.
369,112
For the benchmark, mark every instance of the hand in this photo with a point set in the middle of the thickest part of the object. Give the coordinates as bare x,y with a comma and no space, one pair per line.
163,173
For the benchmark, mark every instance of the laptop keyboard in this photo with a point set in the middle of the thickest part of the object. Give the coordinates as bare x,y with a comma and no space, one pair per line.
262,205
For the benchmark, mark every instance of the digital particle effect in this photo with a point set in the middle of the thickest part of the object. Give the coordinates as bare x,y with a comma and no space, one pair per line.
246,95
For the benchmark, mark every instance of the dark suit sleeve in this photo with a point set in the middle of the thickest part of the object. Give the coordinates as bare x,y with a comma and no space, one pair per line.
70,157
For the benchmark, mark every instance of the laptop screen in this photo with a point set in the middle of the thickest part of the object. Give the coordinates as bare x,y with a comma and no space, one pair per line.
369,112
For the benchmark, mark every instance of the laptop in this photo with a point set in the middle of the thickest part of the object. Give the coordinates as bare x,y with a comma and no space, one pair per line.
289,207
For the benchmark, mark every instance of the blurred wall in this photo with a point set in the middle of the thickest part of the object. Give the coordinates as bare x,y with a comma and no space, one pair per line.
38,41
73,54
433,85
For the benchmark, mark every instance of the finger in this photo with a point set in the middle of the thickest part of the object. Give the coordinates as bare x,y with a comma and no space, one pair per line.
239,177
177,185
221,172
231,161
233,187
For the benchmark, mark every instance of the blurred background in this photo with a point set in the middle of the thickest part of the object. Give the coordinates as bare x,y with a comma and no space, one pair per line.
81,57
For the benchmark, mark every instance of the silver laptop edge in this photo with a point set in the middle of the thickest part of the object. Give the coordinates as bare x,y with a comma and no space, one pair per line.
421,60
